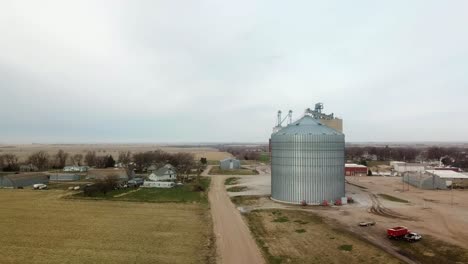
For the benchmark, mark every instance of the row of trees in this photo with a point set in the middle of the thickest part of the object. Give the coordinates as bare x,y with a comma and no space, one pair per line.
455,156
244,152
44,161
183,162
382,153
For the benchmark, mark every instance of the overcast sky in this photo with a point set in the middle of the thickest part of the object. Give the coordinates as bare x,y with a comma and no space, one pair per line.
217,71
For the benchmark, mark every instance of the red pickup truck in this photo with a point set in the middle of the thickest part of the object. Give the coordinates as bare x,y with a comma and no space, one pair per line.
401,232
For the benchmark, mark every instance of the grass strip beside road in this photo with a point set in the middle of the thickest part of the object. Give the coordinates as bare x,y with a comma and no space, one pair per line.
237,189
392,198
231,180
217,171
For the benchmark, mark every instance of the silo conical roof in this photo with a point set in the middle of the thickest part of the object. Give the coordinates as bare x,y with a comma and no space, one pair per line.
307,125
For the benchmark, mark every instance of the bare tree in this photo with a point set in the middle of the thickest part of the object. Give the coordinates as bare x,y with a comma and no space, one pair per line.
125,158
61,159
100,161
10,162
77,159
39,159
2,162
90,158
146,159
183,162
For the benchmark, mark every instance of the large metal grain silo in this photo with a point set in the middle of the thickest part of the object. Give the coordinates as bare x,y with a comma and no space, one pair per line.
307,163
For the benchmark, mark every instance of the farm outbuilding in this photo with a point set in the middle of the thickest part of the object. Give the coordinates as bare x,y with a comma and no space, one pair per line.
23,180
352,169
402,167
229,164
158,184
28,168
307,162
64,177
435,179
101,174
75,168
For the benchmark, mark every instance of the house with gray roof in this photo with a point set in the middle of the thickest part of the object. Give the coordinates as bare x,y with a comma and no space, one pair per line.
165,173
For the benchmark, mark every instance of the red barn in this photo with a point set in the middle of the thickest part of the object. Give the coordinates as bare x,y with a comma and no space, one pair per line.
352,169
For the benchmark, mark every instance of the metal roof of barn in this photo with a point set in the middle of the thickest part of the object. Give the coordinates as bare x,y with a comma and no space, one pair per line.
447,174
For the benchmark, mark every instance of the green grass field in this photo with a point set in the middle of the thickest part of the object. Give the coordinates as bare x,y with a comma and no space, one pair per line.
178,194
231,180
217,171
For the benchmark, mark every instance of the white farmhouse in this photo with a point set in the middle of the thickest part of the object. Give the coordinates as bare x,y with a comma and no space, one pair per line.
165,173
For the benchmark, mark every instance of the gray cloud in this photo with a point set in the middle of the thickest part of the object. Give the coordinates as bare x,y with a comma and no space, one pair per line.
157,71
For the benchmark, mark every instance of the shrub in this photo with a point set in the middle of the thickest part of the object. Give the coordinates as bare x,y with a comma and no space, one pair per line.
281,219
346,247
198,187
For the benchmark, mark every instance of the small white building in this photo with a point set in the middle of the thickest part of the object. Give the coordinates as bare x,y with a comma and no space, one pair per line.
396,163
75,169
165,173
158,184
402,167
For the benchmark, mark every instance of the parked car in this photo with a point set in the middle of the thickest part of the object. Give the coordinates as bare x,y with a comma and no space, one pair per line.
136,182
367,223
39,186
412,237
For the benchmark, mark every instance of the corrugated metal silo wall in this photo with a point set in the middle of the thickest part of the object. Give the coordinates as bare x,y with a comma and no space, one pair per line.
307,167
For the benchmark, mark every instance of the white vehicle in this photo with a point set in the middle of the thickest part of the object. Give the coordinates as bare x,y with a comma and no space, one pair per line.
369,223
411,237
39,186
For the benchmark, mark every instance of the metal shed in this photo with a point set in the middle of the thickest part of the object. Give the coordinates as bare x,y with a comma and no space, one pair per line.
229,164
307,163
101,174
434,179
23,180
64,177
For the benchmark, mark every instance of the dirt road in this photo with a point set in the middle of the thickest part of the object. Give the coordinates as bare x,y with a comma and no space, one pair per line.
233,239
